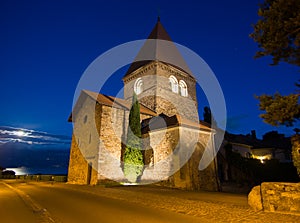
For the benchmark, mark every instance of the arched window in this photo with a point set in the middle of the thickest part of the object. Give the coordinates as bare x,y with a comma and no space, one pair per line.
138,86
174,84
183,88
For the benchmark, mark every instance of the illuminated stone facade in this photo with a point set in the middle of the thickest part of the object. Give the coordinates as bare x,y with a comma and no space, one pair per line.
101,122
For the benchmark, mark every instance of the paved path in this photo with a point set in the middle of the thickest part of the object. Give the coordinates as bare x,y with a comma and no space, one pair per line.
74,203
12,208
52,203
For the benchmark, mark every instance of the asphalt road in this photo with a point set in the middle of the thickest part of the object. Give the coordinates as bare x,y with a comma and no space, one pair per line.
13,208
22,202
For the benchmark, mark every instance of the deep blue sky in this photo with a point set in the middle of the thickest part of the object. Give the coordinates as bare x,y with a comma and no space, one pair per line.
45,46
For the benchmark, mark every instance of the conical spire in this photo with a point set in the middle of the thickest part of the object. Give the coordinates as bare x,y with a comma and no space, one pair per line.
159,32
158,50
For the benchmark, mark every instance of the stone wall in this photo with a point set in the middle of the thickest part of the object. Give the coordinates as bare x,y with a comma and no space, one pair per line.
98,133
166,70
79,167
148,71
162,143
276,197
101,147
181,147
157,94
113,134
85,142
189,176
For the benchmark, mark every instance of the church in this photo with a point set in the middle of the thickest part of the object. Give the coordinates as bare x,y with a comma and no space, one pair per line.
173,138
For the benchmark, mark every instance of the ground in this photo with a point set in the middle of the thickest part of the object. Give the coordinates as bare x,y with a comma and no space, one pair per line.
31,201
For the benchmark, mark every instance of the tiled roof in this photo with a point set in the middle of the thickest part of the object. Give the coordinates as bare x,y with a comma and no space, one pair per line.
117,102
114,102
159,32
159,51
173,121
152,124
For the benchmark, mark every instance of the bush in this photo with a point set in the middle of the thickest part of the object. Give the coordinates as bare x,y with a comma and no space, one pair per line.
8,174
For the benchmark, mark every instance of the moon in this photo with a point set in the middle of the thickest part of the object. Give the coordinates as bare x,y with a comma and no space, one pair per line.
20,133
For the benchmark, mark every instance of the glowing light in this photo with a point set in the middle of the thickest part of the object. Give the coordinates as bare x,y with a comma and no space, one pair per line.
20,133
262,158
129,184
19,170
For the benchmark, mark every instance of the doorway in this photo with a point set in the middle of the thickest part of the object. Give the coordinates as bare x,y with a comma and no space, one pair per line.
89,173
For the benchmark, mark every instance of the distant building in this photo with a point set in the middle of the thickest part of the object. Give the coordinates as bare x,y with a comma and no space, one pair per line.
270,147
93,153
273,146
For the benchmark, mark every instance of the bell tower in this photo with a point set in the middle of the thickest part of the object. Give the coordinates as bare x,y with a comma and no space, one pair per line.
161,78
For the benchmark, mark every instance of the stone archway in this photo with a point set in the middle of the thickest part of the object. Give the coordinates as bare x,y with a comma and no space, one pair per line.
193,164
206,179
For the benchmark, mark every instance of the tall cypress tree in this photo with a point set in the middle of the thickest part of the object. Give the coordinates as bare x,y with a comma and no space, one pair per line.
133,157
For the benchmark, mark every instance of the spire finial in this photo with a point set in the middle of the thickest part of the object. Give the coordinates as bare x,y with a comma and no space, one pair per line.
158,14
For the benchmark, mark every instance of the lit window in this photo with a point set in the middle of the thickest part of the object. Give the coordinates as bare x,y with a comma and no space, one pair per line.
174,84
183,88
138,86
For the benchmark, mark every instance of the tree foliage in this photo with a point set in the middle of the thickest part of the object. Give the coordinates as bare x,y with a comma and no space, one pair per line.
278,35
296,152
208,117
278,31
280,110
8,174
272,135
133,157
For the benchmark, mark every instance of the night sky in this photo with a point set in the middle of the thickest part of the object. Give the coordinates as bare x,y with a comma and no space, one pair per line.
45,46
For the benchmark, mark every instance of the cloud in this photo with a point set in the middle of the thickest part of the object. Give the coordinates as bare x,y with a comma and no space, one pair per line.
36,139
34,150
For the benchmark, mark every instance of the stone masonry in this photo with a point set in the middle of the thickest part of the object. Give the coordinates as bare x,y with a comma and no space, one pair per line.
174,140
276,197
156,94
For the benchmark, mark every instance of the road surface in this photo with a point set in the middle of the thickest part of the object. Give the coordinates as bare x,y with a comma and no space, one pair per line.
44,202
25,202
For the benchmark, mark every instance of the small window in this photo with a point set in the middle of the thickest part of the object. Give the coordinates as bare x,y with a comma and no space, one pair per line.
174,84
183,88
138,86
85,119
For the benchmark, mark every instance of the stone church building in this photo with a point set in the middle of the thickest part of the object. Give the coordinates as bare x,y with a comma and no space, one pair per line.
173,138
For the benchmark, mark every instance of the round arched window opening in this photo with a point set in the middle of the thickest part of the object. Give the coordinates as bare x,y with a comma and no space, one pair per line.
138,86
183,88
174,84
